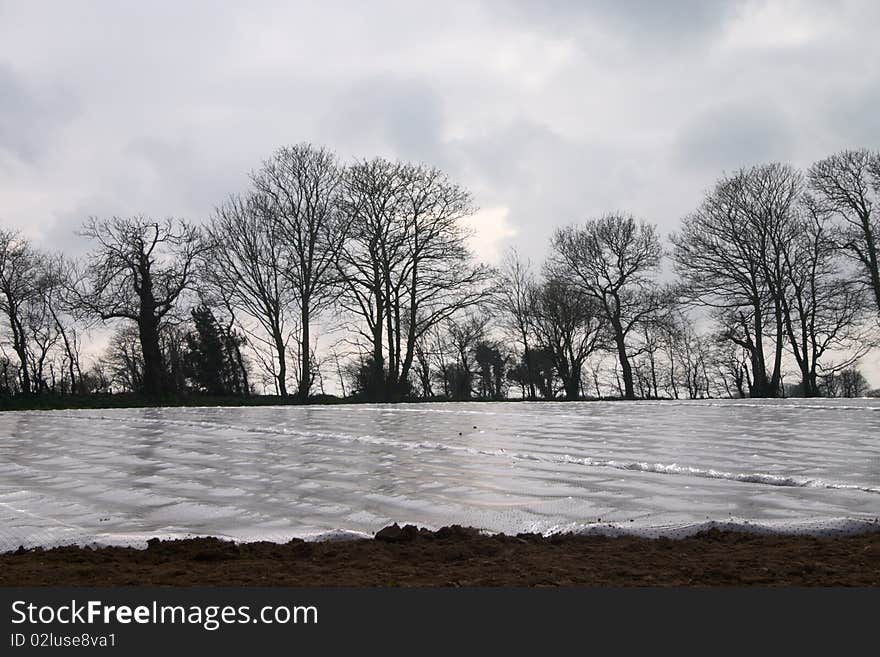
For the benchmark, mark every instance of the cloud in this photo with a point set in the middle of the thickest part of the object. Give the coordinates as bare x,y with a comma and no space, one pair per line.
640,24
557,111
388,116
853,117
735,135
31,116
549,112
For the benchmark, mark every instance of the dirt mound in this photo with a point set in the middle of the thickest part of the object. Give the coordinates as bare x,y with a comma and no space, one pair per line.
462,556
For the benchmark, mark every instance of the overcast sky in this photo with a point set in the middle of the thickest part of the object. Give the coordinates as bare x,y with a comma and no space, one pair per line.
549,112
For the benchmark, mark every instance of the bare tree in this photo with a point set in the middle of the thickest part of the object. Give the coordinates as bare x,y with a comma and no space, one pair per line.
233,338
823,309
853,383
729,254
137,271
372,198
42,331
406,266
44,335
246,267
848,185
18,277
612,259
60,312
491,359
9,379
463,336
123,362
423,365
849,382
571,325
514,297
301,184
433,360
692,351
96,379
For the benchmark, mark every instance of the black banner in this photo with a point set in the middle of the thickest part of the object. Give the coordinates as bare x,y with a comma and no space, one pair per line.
131,621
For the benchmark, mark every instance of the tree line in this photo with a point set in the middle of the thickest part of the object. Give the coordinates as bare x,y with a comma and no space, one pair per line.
772,289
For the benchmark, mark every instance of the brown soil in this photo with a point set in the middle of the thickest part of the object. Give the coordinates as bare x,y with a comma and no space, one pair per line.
456,556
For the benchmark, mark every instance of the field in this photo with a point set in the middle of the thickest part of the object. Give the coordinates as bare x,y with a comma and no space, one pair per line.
122,476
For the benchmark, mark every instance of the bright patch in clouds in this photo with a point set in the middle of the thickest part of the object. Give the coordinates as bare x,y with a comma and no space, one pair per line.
490,228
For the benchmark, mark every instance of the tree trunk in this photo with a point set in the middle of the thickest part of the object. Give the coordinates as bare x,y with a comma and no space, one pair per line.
527,354
378,378
148,331
625,367
760,386
871,259
20,347
572,387
239,361
305,377
281,352
409,354
654,376
776,381
809,385
672,377
620,341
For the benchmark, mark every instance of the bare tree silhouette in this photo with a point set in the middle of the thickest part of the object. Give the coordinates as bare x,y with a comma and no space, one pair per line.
137,271
612,259
847,185
301,185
